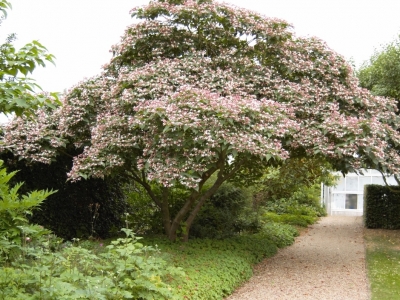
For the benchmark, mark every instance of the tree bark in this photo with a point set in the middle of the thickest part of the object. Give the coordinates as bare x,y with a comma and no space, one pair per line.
195,201
203,198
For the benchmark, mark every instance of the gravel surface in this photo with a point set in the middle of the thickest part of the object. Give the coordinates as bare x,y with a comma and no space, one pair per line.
326,262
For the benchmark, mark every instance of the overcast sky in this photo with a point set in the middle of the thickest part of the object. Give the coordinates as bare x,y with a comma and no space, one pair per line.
80,32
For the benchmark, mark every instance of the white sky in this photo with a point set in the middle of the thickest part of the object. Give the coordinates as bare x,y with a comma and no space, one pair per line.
80,32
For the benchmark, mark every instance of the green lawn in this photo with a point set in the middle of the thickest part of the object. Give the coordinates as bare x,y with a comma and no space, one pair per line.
383,263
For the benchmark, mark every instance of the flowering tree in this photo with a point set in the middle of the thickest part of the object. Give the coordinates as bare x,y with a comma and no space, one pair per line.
201,91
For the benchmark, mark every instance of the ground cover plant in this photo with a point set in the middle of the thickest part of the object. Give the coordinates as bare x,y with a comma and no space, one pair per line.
291,219
214,268
383,257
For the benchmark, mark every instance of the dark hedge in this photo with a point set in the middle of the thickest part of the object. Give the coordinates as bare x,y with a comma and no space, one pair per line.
67,212
382,206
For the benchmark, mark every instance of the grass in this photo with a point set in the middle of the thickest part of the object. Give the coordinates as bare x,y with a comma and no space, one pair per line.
383,263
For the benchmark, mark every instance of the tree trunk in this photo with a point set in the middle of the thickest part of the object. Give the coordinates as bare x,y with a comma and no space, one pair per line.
188,208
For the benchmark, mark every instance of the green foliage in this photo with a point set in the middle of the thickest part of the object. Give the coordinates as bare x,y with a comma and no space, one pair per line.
4,5
248,221
214,268
381,207
17,94
295,175
292,206
298,220
68,212
381,74
124,270
280,234
226,213
142,214
15,230
221,216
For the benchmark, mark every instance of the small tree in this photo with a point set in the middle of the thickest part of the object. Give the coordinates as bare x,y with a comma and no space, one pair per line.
17,93
200,88
381,74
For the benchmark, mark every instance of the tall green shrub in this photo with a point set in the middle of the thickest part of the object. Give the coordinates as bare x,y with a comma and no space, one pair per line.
71,212
223,216
382,206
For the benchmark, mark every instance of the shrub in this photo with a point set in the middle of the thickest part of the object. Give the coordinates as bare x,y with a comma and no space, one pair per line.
297,220
15,231
381,207
126,269
281,234
142,213
293,206
222,215
68,212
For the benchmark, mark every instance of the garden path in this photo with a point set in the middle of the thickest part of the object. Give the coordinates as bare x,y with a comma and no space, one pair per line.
325,262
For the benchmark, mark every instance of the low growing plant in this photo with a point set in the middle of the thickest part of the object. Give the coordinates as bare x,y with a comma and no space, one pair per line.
281,234
293,206
291,219
124,270
214,268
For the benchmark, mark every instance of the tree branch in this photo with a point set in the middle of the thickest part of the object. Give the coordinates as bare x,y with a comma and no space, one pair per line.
221,179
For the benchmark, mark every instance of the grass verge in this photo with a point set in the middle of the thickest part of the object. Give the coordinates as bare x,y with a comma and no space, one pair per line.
383,263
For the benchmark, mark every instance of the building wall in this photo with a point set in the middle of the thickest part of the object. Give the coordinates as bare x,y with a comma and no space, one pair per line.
346,198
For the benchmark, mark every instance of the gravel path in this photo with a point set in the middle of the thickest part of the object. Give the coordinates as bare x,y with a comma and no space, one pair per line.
326,262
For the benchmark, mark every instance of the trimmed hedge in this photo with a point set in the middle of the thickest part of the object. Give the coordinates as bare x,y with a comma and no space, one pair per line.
382,206
67,212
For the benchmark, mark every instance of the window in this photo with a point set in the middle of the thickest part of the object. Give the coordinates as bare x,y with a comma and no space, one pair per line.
351,201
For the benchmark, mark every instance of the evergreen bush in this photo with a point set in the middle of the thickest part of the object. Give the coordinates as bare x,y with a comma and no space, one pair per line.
91,207
382,206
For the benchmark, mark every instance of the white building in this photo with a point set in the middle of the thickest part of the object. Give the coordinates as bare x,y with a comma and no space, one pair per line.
347,197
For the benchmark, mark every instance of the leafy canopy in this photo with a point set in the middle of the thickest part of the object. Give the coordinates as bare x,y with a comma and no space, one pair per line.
381,74
17,91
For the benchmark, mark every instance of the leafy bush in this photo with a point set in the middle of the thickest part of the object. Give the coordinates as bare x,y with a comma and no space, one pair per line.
281,234
381,206
126,269
15,231
297,220
35,266
142,213
301,176
222,215
293,206
248,221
